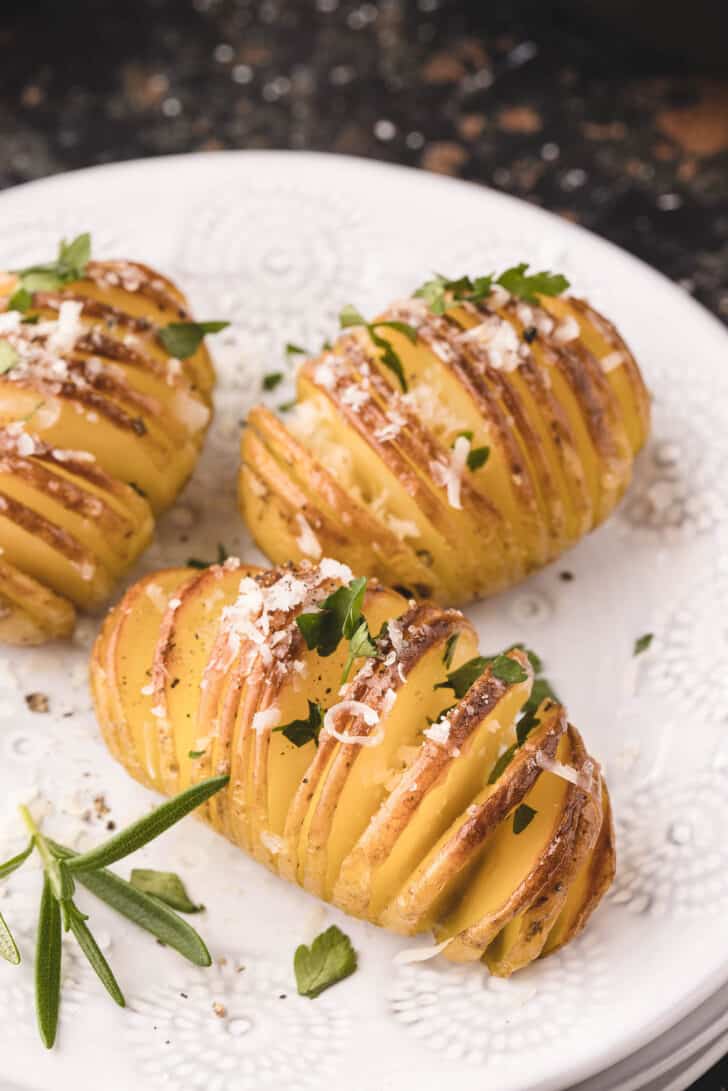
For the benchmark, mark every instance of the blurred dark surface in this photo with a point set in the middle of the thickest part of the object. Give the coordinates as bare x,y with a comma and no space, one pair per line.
571,105
613,114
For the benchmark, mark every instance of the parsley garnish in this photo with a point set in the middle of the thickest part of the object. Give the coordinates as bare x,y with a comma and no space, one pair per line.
21,300
329,959
8,357
196,753
450,649
477,457
338,617
182,339
642,643
70,265
295,350
501,666
542,690
526,285
222,556
502,764
361,644
523,816
300,732
285,407
272,379
350,316
441,293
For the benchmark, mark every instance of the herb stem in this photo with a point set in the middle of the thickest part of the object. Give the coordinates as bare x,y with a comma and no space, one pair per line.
60,881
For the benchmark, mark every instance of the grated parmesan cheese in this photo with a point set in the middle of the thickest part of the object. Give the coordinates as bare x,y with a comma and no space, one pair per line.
439,732
583,778
420,954
266,718
307,541
567,330
272,842
611,360
450,475
369,715
68,328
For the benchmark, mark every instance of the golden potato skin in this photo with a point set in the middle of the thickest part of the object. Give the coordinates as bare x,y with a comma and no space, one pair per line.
99,430
367,472
389,813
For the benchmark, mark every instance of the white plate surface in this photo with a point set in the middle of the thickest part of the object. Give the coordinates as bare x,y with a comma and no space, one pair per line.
278,242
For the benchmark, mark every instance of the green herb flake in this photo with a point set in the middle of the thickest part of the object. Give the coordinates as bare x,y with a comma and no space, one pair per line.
441,293
477,457
182,339
167,886
272,380
194,754
463,678
501,666
523,816
21,300
196,562
285,407
295,350
449,652
70,265
642,643
330,958
507,669
338,618
8,357
502,764
350,317
360,645
300,732
528,286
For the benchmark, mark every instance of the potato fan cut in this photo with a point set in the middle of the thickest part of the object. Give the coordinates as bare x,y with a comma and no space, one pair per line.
506,431
100,427
388,795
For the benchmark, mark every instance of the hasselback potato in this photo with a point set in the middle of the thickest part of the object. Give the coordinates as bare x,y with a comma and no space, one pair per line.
374,757
100,427
466,437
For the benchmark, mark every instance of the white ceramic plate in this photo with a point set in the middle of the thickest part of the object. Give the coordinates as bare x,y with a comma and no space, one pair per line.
278,242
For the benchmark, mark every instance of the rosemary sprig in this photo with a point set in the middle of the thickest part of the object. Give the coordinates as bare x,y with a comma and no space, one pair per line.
63,868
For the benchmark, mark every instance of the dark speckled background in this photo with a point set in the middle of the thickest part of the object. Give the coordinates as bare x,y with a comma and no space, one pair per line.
600,124
628,140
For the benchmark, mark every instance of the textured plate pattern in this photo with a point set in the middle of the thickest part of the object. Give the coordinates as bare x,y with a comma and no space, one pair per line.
278,244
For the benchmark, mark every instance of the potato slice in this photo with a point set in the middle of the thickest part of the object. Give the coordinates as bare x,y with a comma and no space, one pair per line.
278,766
400,689
185,708
29,612
87,506
441,875
343,525
433,790
514,868
589,885
122,663
523,938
